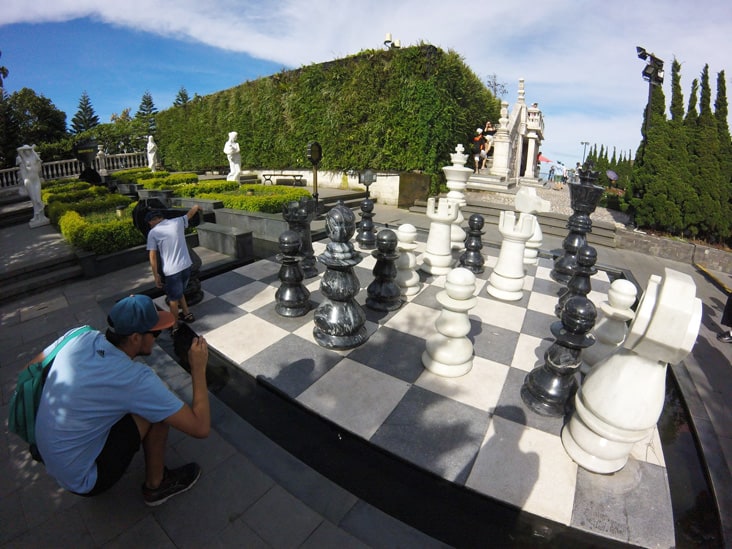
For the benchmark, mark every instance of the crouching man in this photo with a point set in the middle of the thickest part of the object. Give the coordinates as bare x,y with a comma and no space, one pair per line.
99,405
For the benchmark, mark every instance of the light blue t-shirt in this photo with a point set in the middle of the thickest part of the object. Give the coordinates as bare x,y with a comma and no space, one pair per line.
91,386
168,237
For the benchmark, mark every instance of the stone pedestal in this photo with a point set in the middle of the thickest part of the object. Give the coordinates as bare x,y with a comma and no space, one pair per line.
622,397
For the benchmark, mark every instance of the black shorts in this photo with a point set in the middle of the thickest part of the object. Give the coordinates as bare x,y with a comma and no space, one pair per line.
122,444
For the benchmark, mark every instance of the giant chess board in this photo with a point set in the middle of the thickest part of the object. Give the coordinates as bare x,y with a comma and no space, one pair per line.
474,430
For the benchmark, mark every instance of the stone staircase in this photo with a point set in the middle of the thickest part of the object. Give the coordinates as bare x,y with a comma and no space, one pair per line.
603,233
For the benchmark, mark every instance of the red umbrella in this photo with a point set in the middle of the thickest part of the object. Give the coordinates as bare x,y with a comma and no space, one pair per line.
543,158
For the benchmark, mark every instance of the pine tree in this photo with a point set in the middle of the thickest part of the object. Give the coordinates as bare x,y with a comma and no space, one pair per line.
85,118
146,112
182,97
3,72
677,97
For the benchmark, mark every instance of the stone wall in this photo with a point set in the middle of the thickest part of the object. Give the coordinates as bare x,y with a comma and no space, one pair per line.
710,258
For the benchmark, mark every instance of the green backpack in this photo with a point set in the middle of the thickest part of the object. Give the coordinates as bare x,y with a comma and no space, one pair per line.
27,395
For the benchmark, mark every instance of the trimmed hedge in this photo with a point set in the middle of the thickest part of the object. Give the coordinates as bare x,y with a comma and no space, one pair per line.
99,238
168,181
56,209
267,203
215,186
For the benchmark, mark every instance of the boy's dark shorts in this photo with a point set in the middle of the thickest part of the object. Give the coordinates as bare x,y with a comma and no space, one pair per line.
176,284
122,444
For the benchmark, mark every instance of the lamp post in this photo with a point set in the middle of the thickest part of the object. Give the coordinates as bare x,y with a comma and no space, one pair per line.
584,150
653,74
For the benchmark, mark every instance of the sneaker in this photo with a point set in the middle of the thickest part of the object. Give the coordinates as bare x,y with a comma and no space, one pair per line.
174,482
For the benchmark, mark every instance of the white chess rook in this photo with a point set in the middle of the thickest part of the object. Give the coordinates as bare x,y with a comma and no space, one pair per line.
437,258
449,352
621,399
611,329
507,279
407,276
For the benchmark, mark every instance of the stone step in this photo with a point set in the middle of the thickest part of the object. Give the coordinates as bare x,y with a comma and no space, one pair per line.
39,279
554,224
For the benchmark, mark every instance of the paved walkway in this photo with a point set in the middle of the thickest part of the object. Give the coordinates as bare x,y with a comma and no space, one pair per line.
253,493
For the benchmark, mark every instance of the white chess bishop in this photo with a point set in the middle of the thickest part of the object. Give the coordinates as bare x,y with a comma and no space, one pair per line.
622,397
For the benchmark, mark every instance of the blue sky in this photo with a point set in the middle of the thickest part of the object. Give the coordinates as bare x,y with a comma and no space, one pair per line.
578,58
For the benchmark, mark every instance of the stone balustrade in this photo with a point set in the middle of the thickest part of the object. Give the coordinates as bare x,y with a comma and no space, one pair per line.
71,168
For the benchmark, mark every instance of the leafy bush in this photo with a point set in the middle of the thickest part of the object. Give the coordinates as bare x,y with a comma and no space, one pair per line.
57,209
168,181
99,238
66,194
215,186
268,203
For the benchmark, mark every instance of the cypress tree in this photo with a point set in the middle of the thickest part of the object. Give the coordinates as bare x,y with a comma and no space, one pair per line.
85,118
705,171
725,141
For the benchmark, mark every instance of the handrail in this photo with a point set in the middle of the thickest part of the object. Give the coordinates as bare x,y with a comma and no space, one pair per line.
58,169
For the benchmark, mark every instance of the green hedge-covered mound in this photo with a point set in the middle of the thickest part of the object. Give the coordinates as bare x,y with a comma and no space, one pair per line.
99,238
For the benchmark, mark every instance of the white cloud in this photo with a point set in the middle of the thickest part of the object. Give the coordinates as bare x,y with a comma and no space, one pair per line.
578,58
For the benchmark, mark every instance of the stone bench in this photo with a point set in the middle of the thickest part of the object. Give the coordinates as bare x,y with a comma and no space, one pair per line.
227,240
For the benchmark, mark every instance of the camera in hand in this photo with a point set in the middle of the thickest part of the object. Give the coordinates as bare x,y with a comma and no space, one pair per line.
182,341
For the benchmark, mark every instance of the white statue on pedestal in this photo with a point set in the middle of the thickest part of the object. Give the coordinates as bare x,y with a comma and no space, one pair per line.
152,153
622,397
233,153
30,174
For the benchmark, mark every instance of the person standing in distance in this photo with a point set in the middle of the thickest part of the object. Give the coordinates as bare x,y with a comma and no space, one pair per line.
167,236
99,405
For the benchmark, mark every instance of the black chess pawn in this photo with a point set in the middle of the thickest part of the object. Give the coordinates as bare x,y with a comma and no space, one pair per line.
580,283
339,319
472,259
292,298
384,293
299,214
366,237
548,388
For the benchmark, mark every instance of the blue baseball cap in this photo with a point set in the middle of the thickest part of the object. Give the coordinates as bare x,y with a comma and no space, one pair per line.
153,214
138,314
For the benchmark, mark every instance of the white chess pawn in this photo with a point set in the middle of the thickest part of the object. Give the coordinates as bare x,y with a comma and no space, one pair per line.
449,352
622,397
407,277
437,258
528,202
611,329
507,279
